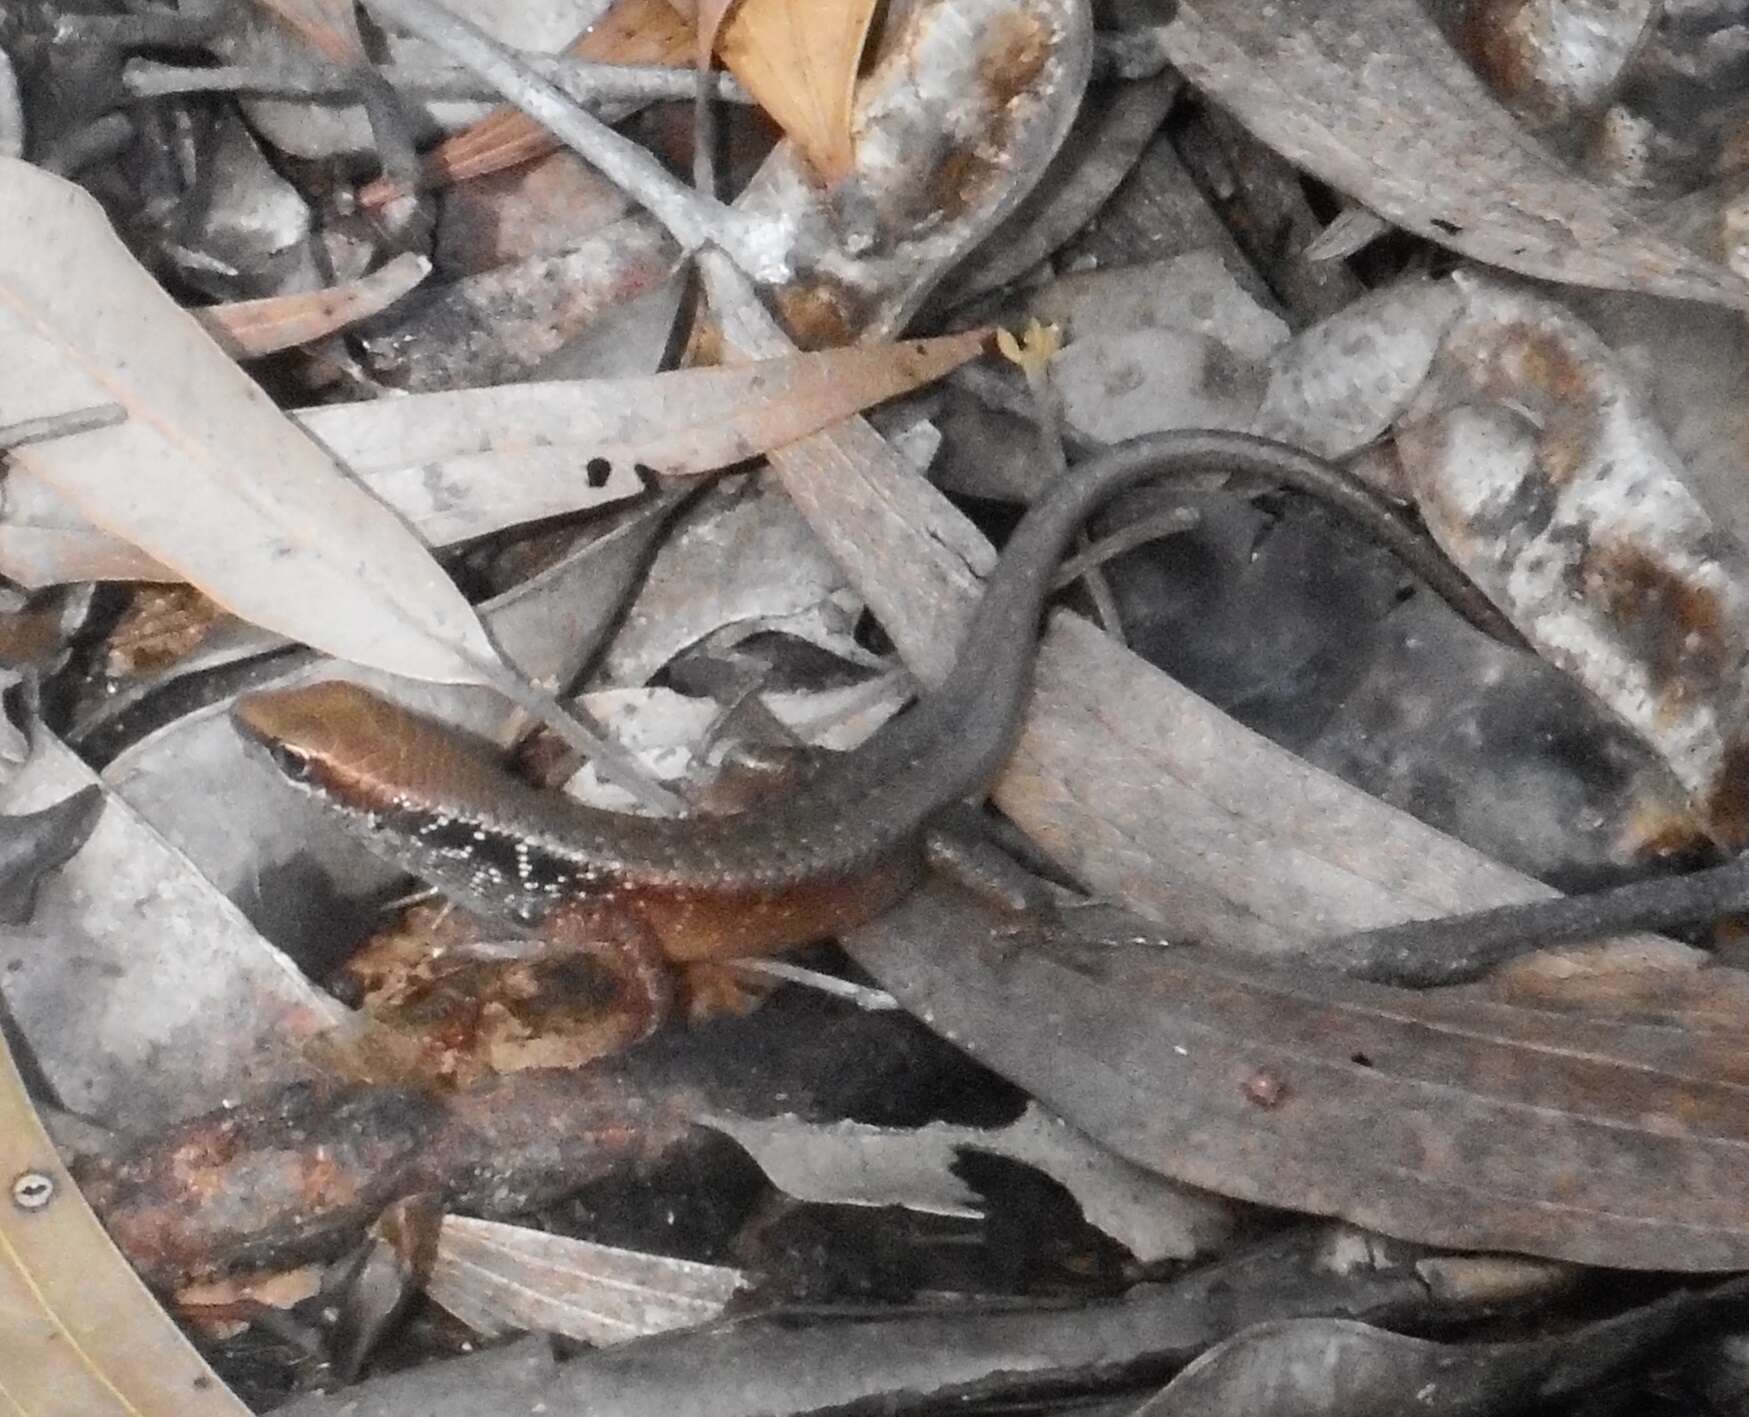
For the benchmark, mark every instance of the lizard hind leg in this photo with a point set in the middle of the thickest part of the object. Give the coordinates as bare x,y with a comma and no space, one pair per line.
631,956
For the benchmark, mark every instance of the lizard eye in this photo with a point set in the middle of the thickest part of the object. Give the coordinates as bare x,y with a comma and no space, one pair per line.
295,763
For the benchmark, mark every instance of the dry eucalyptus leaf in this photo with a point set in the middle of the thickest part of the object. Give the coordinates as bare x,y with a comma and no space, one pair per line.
82,1333
1691,367
248,329
732,560
632,32
172,954
1434,1116
277,1289
1337,386
205,476
798,58
1370,98
329,26
1644,985
1354,229
1556,63
466,462
1538,467
850,1163
1135,382
1340,1368
38,556
497,1278
1194,292
964,108
545,446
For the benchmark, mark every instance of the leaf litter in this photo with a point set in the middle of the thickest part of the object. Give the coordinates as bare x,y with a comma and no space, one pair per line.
1277,737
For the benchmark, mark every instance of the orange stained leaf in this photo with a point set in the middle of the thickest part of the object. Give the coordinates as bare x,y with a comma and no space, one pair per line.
248,329
328,26
799,59
632,32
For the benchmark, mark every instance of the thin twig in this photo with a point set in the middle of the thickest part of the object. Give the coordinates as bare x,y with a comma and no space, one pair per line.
704,134
1047,404
584,80
390,129
761,248
859,994
581,732
158,29
1128,537
60,425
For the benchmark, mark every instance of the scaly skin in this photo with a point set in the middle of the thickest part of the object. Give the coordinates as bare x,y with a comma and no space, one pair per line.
840,850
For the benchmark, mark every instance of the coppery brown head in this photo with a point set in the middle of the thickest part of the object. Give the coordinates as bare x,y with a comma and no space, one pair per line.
350,745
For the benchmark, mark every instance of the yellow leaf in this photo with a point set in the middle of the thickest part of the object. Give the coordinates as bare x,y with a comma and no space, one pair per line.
632,32
1033,351
79,1332
798,58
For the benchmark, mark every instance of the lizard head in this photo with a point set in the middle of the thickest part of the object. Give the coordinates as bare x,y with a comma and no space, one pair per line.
356,749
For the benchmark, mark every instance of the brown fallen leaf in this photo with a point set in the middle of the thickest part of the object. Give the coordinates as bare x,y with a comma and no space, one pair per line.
467,462
82,1333
205,476
248,329
1436,1117
798,59
632,32
223,1308
330,27
1370,98
1644,985
681,421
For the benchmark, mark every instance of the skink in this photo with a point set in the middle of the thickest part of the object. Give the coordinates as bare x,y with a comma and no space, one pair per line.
646,893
